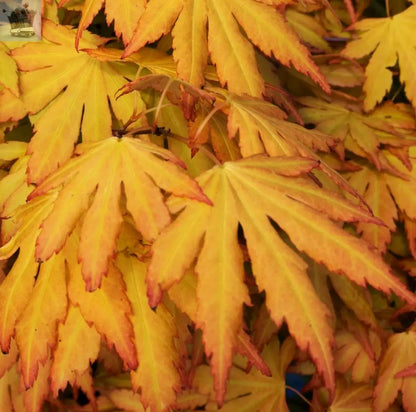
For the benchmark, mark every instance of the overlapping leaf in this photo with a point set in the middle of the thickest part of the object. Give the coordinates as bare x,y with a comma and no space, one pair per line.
157,374
68,85
253,391
16,288
262,128
348,397
36,327
391,40
125,18
78,346
11,106
101,170
231,52
390,125
8,71
385,193
400,353
351,356
248,192
107,308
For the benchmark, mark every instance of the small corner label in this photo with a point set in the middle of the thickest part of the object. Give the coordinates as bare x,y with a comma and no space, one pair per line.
20,20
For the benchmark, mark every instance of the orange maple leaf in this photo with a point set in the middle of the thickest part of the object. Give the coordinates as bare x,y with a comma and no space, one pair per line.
248,192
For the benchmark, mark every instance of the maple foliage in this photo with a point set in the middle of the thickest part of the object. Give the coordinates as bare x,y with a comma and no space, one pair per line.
209,205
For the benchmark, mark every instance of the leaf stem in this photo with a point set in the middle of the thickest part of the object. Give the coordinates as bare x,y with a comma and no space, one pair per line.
387,3
160,102
209,115
300,396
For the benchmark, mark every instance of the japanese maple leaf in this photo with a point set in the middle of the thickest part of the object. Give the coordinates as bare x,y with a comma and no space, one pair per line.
390,40
262,127
400,353
362,134
374,188
385,193
12,108
100,171
184,295
229,49
350,355
253,391
69,359
13,187
249,192
73,89
108,308
348,397
8,71
157,375
17,287
125,18
36,328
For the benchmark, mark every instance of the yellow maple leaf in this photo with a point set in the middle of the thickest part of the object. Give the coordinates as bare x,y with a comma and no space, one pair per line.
8,71
248,192
68,85
101,170
229,49
390,40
